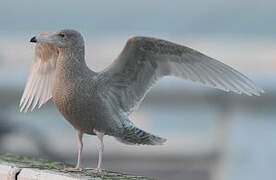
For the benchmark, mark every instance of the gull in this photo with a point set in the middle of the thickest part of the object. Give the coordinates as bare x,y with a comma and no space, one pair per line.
99,103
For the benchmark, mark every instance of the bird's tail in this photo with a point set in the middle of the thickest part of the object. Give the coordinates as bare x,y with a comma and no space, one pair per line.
134,135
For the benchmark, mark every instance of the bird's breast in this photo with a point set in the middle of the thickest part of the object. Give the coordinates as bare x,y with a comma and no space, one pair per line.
62,97
76,103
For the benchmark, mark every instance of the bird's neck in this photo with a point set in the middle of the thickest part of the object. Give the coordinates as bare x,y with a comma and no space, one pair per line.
71,63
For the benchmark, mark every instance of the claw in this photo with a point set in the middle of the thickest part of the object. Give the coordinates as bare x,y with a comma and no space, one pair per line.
97,170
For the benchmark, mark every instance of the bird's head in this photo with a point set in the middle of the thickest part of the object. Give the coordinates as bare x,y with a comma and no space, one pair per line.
62,39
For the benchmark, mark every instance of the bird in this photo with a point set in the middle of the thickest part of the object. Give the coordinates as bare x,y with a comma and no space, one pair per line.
99,103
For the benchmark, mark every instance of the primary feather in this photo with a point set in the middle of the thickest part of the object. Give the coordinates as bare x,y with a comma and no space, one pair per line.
145,60
39,86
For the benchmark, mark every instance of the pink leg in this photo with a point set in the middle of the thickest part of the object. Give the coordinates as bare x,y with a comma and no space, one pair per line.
100,148
80,147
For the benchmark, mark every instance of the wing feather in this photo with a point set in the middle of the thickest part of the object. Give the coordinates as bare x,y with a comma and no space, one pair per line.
145,60
39,86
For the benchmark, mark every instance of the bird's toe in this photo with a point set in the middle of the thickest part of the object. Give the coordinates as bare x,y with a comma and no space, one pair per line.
96,170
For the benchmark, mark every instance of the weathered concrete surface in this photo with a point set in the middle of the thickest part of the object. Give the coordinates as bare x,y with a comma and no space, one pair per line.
8,172
25,168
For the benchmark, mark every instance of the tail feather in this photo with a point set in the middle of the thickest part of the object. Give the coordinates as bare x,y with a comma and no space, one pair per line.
134,135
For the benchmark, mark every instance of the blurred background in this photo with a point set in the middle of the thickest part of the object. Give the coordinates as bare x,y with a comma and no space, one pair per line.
212,135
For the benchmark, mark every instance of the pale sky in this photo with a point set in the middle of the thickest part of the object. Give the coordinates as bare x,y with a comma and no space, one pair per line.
255,17
241,33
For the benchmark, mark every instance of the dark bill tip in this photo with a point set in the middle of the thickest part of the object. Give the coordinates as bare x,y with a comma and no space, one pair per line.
33,39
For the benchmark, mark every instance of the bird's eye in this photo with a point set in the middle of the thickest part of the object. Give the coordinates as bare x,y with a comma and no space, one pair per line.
61,35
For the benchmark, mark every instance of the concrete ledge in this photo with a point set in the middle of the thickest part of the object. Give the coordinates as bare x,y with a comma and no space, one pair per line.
25,168
8,172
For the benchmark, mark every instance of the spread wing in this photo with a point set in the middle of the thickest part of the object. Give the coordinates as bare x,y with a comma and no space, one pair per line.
38,89
144,60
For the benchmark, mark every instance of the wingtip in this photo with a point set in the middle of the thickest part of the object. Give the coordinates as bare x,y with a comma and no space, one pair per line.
22,110
256,93
259,92
164,140
262,91
160,141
